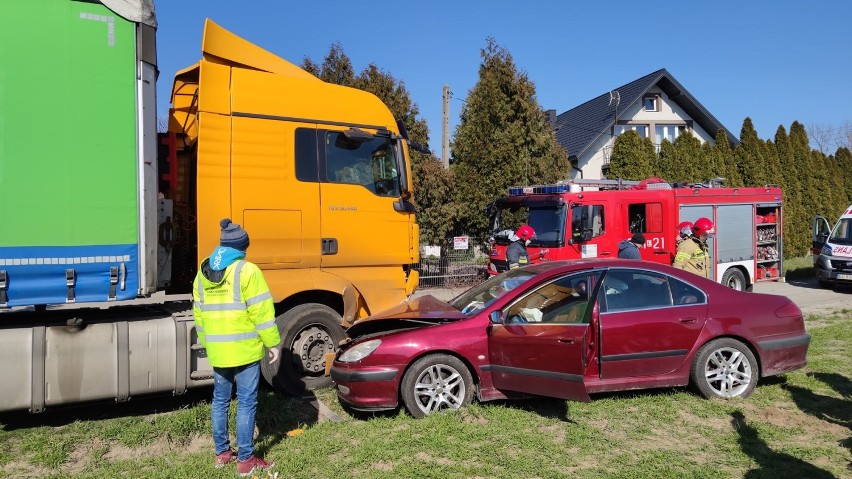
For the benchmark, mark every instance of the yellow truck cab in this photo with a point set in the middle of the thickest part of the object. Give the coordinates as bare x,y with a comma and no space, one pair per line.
319,176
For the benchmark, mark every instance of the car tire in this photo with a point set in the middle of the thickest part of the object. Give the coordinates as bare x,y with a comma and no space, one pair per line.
734,279
436,382
307,331
724,368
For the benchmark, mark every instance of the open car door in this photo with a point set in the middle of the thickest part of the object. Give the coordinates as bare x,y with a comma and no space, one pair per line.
538,345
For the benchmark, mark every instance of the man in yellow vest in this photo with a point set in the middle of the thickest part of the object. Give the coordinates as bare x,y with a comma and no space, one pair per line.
234,319
692,254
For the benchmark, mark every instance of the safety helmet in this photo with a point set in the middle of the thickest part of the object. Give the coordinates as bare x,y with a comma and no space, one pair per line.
702,226
525,232
685,228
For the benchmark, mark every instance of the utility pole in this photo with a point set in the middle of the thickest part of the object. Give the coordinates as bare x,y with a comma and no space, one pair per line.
445,137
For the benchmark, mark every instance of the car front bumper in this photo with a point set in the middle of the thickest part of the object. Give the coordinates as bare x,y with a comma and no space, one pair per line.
366,388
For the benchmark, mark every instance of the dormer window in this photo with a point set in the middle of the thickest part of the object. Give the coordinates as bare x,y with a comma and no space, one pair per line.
652,103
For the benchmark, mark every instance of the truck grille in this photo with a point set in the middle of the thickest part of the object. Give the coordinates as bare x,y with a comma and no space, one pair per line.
841,264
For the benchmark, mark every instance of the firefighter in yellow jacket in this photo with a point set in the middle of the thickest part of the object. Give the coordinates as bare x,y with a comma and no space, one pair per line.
235,319
692,254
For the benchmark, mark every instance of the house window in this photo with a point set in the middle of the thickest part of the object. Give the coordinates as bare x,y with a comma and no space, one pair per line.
641,129
652,103
668,132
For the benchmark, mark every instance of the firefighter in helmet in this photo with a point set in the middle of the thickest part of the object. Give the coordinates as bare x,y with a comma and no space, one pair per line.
692,253
516,253
684,231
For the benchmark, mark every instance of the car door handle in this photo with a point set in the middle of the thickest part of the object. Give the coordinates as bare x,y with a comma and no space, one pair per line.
688,320
566,340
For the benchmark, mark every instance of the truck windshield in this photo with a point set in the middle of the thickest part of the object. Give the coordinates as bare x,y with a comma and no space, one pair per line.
548,221
842,233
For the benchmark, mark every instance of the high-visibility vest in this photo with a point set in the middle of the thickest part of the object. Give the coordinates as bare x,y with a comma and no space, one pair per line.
235,317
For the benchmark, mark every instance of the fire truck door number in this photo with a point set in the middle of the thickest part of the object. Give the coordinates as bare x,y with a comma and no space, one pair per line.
656,243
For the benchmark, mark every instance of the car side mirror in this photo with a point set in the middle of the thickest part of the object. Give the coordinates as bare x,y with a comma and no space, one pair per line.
496,317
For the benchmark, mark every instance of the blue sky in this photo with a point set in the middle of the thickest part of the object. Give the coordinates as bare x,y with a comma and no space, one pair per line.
774,61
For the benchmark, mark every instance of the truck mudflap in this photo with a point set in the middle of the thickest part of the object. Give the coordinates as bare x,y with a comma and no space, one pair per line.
40,275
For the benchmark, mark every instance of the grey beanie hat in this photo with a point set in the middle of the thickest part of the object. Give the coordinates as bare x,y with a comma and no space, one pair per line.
233,235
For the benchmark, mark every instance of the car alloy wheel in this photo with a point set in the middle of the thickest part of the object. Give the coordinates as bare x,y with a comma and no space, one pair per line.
725,368
436,382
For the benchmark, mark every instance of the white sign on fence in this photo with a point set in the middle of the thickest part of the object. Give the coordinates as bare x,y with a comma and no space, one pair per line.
460,242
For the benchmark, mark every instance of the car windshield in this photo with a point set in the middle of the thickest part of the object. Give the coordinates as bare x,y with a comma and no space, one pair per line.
481,296
842,233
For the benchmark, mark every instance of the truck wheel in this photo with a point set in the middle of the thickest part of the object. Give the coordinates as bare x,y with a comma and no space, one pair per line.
825,284
734,279
308,332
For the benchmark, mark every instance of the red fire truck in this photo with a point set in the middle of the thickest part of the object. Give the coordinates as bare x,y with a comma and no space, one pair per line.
588,218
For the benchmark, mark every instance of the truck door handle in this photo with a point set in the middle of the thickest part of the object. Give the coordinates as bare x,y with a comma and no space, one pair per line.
688,320
566,340
604,253
661,252
329,246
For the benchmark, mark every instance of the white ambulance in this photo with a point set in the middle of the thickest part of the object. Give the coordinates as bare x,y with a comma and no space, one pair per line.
832,250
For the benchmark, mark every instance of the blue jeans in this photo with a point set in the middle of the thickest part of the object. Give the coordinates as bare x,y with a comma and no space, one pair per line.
246,379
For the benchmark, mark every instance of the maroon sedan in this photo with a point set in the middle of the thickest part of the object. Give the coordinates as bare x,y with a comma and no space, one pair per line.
566,329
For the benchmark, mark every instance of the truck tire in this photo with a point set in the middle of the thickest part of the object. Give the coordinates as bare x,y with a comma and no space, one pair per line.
734,279
307,331
825,284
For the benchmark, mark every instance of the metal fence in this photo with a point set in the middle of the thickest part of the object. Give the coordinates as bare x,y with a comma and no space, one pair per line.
460,261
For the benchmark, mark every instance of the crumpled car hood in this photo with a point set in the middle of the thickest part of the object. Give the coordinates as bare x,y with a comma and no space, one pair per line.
415,313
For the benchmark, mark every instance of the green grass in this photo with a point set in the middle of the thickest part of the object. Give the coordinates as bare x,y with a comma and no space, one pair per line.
798,425
799,268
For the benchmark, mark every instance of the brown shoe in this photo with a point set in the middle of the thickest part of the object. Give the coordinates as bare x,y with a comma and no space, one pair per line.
224,458
244,468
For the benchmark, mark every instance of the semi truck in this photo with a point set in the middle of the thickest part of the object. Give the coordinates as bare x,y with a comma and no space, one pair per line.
106,222
589,218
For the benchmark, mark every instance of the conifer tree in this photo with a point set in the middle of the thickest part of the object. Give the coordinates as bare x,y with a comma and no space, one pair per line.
666,166
802,157
691,159
631,157
503,139
844,163
724,160
796,228
749,156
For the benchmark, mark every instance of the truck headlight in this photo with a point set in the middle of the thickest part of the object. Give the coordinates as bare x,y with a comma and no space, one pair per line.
359,351
826,250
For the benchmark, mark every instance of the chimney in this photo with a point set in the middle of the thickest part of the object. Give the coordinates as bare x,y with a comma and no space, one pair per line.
551,118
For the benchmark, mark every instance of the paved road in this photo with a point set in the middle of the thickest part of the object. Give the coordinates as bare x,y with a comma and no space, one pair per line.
806,293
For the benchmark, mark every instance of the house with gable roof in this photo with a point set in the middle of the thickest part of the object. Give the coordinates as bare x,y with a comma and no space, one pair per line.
656,106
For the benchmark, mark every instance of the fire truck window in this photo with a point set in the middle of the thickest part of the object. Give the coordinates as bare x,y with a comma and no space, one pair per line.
587,218
548,223
645,218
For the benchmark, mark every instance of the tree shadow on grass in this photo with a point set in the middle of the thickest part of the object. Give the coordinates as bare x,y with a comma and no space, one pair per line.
771,464
830,409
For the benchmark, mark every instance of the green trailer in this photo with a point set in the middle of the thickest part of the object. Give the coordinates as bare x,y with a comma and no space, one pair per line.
77,151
